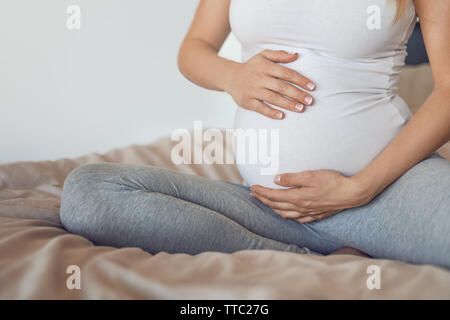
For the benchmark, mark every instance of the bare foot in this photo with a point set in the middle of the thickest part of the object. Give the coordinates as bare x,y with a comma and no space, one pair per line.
352,251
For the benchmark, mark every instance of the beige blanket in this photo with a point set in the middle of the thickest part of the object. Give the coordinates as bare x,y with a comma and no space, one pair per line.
35,251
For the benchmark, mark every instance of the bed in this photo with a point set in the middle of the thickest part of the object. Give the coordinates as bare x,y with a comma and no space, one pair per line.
36,252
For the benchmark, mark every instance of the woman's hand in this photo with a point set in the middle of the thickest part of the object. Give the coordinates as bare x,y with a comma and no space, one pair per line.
261,79
314,195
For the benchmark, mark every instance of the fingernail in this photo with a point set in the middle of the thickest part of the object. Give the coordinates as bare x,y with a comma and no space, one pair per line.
308,100
299,107
311,85
292,52
277,178
279,115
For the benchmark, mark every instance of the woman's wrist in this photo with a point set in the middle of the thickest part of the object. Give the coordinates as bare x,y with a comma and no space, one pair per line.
228,73
366,187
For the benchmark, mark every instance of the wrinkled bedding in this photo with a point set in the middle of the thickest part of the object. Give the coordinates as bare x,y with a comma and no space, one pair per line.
35,250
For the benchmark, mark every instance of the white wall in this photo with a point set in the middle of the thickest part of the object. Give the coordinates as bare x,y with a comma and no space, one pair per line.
115,82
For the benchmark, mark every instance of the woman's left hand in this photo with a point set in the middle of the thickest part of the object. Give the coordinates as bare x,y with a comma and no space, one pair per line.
314,195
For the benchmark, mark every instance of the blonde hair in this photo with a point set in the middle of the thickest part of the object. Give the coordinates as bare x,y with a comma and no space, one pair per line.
401,6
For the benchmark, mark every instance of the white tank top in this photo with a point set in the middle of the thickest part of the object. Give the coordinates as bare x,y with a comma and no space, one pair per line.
354,54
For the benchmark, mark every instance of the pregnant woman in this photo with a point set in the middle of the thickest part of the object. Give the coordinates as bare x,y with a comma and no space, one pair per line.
356,169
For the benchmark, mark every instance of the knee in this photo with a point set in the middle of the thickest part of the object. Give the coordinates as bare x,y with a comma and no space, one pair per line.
80,187
84,176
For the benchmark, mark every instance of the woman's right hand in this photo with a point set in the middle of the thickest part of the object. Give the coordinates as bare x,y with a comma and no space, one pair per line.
261,79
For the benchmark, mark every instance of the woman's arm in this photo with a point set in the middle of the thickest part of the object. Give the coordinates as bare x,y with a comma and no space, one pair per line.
429,128
259,80
198,58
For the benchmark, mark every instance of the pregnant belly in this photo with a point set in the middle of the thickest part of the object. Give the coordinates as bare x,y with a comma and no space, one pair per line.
320,138
345,129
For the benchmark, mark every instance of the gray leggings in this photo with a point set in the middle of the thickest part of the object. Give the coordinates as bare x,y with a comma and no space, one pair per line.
157,209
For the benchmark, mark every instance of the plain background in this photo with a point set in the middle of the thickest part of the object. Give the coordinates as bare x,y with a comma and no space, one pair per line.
115,82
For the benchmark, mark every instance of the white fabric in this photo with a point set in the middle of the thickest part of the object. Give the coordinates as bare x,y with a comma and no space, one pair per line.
355,66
